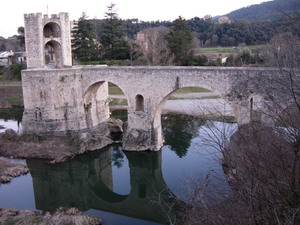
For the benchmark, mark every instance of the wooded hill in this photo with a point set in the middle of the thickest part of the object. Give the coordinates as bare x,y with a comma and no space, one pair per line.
270,10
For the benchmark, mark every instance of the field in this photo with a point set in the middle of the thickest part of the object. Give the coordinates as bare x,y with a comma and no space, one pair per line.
214,52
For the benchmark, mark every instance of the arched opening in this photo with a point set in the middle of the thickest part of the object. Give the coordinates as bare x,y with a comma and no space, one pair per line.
198,102
118,103
192,120
139,103
110,180
51,30
53,54
104,100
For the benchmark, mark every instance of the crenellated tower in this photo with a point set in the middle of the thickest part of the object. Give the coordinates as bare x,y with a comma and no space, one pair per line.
48,40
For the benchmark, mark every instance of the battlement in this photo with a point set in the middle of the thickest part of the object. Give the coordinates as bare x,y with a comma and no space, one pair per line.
32,15
53,16
45,16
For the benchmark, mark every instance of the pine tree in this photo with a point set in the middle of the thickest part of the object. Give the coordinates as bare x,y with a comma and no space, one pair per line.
180,42
84,42
113,36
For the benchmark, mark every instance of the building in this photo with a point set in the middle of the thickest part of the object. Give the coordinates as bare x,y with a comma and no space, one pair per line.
6,58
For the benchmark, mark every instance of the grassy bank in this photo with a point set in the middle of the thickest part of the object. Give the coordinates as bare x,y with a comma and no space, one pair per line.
11,94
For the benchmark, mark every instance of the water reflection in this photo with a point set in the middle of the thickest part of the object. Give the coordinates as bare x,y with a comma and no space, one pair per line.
129,183
11,119
87,183
12,114
179,130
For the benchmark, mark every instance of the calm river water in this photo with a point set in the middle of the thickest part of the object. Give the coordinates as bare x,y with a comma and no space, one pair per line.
124,187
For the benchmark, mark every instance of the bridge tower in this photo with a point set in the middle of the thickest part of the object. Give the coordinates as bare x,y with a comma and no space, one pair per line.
48,40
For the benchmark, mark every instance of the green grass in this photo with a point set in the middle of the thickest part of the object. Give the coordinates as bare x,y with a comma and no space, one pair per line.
118,101
85,63
114,90
216,48
251,47
191,90
15,100
3,78
199,98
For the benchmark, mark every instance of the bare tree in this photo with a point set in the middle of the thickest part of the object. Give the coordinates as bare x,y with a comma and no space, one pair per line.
153,48
262,162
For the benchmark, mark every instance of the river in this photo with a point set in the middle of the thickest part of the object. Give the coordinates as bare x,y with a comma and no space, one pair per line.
125,187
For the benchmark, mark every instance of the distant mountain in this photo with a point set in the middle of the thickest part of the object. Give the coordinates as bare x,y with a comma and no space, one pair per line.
270,10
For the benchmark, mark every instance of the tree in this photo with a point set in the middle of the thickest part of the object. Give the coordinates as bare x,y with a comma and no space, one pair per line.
152,46
21,37
180,41
113,36
84,44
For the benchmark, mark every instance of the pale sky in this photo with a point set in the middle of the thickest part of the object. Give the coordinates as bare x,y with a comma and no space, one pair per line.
11,16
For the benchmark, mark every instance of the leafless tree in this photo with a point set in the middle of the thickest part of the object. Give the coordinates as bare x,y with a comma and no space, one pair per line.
262,162
152,47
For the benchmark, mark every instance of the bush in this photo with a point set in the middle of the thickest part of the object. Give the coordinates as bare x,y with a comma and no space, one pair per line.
199,60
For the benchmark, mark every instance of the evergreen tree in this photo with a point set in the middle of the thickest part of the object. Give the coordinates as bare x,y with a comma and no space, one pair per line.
180,42
84,42
113,36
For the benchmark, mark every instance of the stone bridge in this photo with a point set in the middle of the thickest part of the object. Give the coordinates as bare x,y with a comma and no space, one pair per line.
61,98
76,98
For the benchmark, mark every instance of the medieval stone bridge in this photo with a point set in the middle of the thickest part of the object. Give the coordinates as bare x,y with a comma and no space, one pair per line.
60,98
76,98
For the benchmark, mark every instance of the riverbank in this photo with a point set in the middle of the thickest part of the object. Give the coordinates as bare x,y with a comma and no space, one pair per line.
10,170
11,94
71,216
57,149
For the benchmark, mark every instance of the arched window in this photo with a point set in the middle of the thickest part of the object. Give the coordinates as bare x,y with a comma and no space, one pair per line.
51,30
139,103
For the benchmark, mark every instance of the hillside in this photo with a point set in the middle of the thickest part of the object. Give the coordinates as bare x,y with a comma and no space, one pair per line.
270,10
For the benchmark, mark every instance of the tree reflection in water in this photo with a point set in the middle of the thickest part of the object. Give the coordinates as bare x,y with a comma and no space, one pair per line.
117,156
179,130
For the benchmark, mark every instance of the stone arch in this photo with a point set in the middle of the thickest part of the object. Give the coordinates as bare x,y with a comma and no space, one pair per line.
96,103
52,30
139,103
156,122
53,54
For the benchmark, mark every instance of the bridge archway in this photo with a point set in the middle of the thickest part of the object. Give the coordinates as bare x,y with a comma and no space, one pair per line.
52,30
100,99
53,54
195,106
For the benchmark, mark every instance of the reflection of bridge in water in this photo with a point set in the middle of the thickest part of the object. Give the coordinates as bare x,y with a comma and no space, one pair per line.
86,183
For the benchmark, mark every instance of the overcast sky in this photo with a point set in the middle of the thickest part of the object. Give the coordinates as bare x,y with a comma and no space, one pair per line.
11,16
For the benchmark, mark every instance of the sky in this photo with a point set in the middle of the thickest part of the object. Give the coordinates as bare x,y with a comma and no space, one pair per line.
11,16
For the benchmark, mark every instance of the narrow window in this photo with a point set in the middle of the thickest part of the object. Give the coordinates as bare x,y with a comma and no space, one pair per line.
139,103
251,109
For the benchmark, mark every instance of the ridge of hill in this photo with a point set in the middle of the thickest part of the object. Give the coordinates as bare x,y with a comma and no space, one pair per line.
270,10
